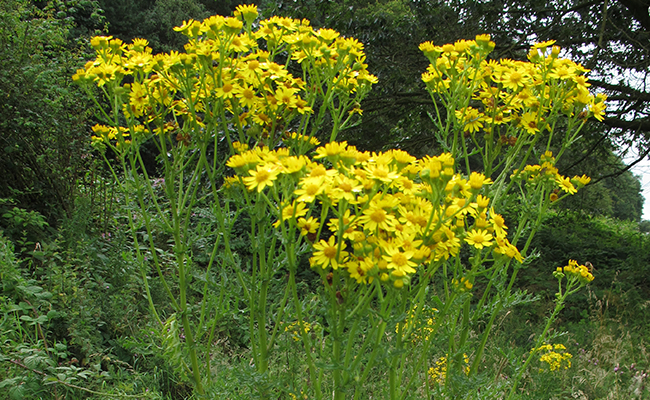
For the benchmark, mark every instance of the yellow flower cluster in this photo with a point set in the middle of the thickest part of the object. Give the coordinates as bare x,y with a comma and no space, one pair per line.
422,327
228,64
438,373
573,269
295,330
523,93
388,212
555,356
547,174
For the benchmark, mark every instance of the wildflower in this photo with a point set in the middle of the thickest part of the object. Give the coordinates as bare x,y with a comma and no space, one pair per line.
565,184
375,217
295,329
227,90
471,117
498,223
554,356
328,253
263,176
598,110
544,45
438,373
307,226
400,262
358,270
514,79
331,149
478,238
477,180
580,181
310,187
529,123
381,172
247,11
246,96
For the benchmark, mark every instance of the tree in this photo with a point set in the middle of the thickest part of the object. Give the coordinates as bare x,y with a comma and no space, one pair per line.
154,20
606,36
43,116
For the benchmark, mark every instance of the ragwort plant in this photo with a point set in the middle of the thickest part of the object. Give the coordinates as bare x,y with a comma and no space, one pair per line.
233,82
388,234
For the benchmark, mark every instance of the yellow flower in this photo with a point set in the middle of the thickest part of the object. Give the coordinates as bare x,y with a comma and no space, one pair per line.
358,270
463,285
294,210
479,238
328,253
477,180
227,90
580,272
514,79
375,217
247,11
544,45
310,187
554,356
482,201
400,262
598,110
248,158
331,149
580,181
246,96
286,96
381,172
327,34
498,223
471,118
565,184
263,176
309,225
529,123
345,188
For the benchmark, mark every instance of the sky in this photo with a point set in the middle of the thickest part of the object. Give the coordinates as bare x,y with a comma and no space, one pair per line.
642,170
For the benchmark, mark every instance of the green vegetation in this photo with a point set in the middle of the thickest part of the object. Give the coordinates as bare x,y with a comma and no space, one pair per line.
170,227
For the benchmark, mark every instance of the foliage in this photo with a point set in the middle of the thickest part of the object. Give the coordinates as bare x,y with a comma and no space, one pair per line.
39,358
617,250
42,117
310,273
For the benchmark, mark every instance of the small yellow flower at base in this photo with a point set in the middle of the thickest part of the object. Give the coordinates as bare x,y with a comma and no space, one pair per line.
581,272
554,357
